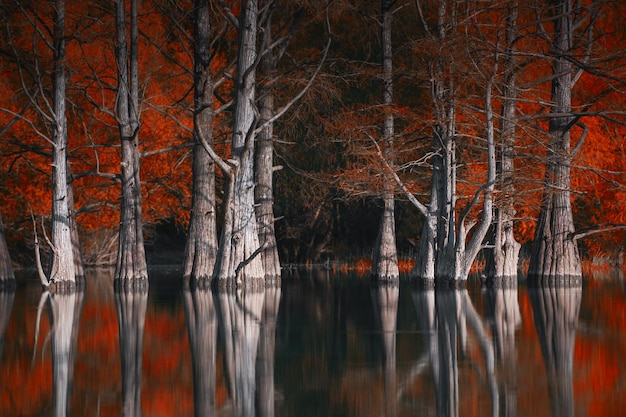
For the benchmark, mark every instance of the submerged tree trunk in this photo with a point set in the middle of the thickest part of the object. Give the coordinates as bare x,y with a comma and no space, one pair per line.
7,295
62,268
131,306
7,276
264,169
503,259
131,257
238,262
554,251
201,320
385,256
201,247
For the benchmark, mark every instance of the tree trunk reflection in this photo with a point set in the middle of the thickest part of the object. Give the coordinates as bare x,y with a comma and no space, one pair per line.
6,305
555,311
265,361
385,299
443,317
505,317
131,306
202,329
65,309
240,319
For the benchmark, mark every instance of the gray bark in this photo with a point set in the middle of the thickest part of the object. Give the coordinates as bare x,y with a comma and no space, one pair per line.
7,276
556,309
385,256
238,262
62,267
131,258
79,265
131,306
503,259
264,169
554,251
201,320
201,247
447,249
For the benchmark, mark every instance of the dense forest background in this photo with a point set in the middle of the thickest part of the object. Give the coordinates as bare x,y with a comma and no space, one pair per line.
329,175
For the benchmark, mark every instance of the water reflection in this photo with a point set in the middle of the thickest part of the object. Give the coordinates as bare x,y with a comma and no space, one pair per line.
444,317
385,299
239,315
555,311
6,305
503,313
64,312
131,316
201,319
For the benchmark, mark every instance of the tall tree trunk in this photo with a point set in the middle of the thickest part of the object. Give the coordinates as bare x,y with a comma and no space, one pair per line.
62,268
201,247
131,306
502,260
238,261
131,257
385,256
202,326
554,251
7,276
264,169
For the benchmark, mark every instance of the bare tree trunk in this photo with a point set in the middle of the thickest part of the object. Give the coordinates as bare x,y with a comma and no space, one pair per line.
131,306
264,169
385,256
65,312
62,268
201,247
555,309
131,258
7,276
202,329
503,259
238,262
554,251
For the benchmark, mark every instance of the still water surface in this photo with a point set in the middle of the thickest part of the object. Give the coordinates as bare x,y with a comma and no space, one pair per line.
320,345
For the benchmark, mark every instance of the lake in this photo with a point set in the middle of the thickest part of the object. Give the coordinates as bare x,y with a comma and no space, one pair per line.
321,345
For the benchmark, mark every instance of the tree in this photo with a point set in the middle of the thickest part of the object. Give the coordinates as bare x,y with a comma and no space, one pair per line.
385,256
201,247
554,251
502,259
131,258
